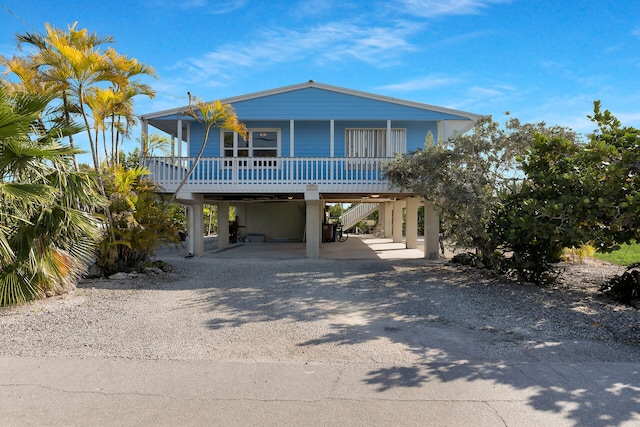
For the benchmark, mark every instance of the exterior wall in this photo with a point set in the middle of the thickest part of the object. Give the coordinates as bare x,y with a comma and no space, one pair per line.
312,136
313,108
417,132
276,221
316,103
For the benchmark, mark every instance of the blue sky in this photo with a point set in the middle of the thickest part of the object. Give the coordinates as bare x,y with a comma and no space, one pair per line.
537,59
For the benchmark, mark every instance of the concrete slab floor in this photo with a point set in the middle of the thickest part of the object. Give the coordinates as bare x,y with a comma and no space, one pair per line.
357,246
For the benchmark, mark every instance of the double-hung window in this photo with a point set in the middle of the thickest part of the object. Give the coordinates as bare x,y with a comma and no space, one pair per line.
373,142
260,150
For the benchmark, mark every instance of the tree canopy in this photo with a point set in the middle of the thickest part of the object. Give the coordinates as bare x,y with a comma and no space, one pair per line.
530,190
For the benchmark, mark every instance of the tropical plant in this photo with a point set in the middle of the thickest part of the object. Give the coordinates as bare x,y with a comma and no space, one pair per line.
47,234
140,221
96,84
573,193
625,287
466,177
210,115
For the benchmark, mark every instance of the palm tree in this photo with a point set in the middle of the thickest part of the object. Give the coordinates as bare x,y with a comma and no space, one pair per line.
48,70
210,115
46,233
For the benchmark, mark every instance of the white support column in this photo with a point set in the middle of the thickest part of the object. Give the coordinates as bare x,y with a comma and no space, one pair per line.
190,225
398,205
314,221
332,146
412,223
292,139
196,226
431,232
388,147
223,225
388,220
332,137
188,136
179,135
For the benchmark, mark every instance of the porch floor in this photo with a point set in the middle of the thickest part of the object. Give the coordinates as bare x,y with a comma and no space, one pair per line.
358,246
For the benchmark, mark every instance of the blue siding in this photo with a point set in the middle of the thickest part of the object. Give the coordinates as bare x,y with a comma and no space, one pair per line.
213,144
197,137
417,132
312,139
320,104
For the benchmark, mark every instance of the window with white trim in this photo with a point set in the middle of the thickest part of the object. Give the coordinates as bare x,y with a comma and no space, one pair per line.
262,144
373,142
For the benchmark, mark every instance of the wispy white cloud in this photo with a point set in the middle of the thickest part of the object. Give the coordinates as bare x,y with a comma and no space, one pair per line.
208,6
334,42
421,83
435,8
312,8
485,92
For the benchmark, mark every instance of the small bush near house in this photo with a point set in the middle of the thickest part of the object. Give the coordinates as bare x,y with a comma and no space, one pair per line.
626,287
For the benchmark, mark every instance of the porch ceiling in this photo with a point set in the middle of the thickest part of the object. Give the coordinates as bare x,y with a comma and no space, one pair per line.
281,197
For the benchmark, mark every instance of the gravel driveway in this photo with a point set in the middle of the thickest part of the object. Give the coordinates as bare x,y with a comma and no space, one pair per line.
331,311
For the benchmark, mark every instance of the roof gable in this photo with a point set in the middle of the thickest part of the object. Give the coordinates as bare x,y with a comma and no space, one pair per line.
317,101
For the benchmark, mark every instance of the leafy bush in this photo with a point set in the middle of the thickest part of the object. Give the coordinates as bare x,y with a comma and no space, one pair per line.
466,258
624,288
140,221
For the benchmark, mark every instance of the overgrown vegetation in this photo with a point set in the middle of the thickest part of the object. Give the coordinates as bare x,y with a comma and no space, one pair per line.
626,287
140,221
530,191
47,232
83,79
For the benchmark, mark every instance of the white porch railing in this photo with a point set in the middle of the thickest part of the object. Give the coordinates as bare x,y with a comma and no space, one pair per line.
270,174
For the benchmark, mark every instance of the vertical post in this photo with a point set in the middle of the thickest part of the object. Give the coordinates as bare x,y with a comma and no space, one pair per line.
388,219
198,228
188,137
431,231
196,225
190,219
412,223
223,225
314,224
381,216
388,147
291,138
398,206
332,136
332,149
179,135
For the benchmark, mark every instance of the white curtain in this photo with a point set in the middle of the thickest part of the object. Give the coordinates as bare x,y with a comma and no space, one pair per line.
373,142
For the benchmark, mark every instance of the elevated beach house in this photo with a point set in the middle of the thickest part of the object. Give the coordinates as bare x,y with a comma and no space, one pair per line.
308,145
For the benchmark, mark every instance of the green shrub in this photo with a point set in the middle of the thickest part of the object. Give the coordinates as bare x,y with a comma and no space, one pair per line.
624,288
